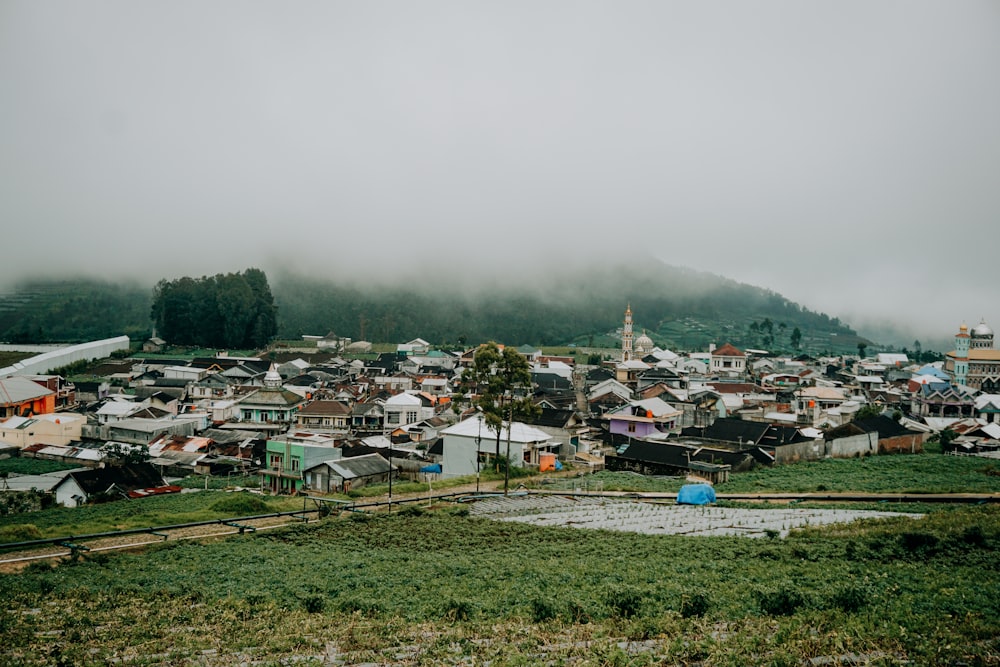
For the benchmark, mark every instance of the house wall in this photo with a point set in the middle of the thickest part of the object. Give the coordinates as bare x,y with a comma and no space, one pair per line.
61,432
66,491
641,429
863,444
459,454
903,444
799,451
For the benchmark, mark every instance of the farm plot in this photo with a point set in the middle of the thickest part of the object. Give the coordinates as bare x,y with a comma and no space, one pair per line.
661,519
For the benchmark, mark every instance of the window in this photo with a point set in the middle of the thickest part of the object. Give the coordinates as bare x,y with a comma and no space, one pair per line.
411,417
392,417
295,465
276,460
631,427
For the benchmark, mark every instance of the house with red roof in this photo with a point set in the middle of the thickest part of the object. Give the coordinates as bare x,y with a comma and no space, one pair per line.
728,362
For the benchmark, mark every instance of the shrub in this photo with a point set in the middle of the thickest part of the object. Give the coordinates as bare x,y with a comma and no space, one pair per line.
850,597
694,604
543,609
364,607
577,613
915,542
974,535
411,510
314,604
624,602
782,601
242,504
457,610
23,532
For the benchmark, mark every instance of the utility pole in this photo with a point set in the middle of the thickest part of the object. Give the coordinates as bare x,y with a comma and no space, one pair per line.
506,468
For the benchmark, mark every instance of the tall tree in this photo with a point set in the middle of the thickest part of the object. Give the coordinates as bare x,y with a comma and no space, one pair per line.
230,310
500,382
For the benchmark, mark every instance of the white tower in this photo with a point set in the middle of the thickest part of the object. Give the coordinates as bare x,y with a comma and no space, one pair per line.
627,335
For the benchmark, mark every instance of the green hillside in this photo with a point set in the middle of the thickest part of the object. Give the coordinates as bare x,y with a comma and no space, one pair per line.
680,309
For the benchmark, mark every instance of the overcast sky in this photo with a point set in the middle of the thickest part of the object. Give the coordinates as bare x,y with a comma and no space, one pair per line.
845,154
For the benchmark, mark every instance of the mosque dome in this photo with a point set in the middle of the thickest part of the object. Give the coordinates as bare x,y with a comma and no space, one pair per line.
982,330
272,379
644,344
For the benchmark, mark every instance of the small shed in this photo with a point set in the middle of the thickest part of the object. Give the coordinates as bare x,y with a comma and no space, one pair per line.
342,475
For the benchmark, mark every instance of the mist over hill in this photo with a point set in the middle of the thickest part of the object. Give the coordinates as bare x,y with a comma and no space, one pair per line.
580,303
679,308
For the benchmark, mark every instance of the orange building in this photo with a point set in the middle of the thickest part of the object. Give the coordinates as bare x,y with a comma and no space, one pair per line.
21,397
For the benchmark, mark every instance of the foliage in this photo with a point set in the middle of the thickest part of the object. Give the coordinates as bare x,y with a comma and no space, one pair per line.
164,510
71,311
233,310
898,473
474,590
584,313
867,411
19,502
19,465
500,382
121,454
241,504
23,532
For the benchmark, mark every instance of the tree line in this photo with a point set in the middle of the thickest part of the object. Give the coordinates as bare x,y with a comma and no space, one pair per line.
232,310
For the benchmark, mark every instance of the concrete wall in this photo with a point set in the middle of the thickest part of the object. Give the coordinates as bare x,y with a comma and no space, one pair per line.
48,361
800,451
841,448
864,444
903,444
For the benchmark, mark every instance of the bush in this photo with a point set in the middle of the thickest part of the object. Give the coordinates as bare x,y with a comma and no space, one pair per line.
241,504
694,604
364,607
915,542
543,609
458,610
782,601
624,602
23,532
314,604
850,597
974,535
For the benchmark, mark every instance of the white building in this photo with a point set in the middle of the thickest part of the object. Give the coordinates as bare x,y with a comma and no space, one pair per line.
469,444
406,408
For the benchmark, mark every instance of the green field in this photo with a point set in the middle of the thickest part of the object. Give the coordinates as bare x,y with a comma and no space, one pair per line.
441,588
143,513
903,473
27,466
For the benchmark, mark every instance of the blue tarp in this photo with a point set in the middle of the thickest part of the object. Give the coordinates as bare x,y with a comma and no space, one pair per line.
434,467
558,465
696,494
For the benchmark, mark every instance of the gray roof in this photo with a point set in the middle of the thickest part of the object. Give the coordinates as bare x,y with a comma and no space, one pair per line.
359,466
16,389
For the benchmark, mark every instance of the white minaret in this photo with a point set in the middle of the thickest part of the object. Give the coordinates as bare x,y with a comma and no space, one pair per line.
627,335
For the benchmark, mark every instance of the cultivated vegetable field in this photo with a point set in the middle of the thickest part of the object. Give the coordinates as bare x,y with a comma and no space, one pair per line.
442,587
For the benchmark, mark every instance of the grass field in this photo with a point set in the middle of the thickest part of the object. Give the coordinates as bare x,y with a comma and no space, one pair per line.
26,466
10,358
442,587
903,473
144,512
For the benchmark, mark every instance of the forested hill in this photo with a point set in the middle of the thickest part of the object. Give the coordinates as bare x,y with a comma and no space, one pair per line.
680,308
